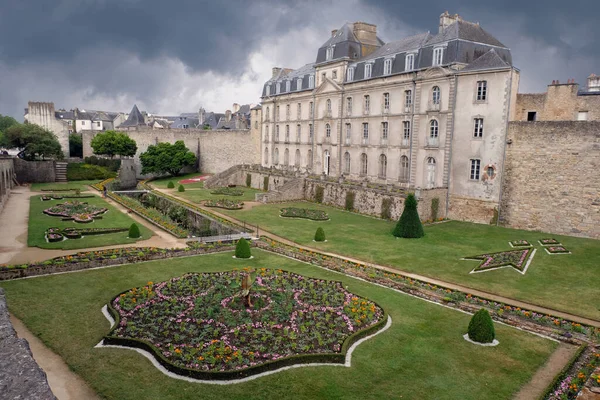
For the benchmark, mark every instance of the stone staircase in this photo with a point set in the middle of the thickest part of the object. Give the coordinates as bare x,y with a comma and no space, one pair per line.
60,170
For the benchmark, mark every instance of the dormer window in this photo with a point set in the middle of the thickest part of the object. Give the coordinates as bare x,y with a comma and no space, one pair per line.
387,66
409,62
368,70
268,92
350,74
278,88
288,86
438,56
311,82
299,84
329,54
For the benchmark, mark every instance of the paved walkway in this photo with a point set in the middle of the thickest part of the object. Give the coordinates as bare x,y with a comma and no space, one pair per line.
433,281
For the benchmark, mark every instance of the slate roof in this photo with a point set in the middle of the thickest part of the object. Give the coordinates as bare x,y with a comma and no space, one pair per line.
490,60
64,115
465,30
135,118
190,122
411,43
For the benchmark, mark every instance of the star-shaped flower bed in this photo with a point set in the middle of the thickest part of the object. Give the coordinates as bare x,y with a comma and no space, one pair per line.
517,259
214,326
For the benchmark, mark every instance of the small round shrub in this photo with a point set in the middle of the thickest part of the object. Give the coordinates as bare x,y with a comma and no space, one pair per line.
320,235
481,327
242,249
181,188
134,231
171,185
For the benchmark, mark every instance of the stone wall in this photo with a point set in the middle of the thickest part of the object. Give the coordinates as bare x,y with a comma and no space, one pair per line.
218,150
43,114
127,174
472,210
551,182
34,171
7,171
20,376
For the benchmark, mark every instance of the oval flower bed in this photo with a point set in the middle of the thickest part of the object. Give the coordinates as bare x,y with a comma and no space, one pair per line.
206,326
226,204
315,215
227,191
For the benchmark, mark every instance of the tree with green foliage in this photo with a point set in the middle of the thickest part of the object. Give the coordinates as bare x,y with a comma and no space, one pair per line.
5,123
409,225
166,158
481,327
75,145
181,188
112,143
33,141
242,249
171,185
320,235
134,231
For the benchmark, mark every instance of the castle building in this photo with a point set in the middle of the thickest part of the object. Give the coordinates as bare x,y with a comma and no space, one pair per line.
426,111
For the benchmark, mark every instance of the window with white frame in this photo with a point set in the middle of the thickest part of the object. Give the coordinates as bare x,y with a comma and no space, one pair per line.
382,166
407,100
386,101
346,163
266,133
478,129
349,105
298,133
287,133
286,157
387,66
288,86
405,133
328,106
438,56
582,116
481,90
266,155
384,130
475,169
299,84
268,91
364,164
311,82
436,95
350,74
327,130
298,159
82,122
403,176
365,130
434,129
367,104
329,54
368,70
278,88
409,62
299,111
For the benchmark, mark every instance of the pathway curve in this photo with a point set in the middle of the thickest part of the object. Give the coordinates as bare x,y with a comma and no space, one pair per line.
14,220
433,281
65,384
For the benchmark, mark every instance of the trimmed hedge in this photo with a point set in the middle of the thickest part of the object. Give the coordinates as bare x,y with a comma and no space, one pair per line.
481,327
171,185
242,249
320,235
266,183
87,172
134,231
181,188
111,164
350,196
409,224
248,180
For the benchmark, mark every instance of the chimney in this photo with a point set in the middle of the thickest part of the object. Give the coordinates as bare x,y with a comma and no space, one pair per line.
276,71
228,115
366,33
236,107
333,32
446,20
593,83
201,116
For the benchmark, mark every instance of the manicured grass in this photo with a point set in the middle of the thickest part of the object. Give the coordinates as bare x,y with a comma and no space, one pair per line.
564,282
163,182
81,185
39,222
199,195
423,354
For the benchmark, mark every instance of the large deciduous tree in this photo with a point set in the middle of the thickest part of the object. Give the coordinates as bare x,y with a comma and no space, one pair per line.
5,123
112,143
34,141
166,158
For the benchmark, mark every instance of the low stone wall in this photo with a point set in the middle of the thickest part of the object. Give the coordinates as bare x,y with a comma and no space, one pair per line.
20,376
7,172
34,171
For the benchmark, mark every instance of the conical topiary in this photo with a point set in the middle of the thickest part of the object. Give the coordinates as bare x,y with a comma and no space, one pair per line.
409,224
320,235
242,249
171,185
481,327
181,188
134,231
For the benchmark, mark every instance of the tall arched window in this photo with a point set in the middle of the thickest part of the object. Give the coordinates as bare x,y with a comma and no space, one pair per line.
276,157
266,156
326,162
286,157
430,182
267,114
433,133
435,95
327,130
403,176
382,166
328,104
346,163
287,133
266,133
276,133
297,159
309,159
364,166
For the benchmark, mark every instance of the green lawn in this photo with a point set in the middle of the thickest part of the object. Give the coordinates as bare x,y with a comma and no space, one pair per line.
39,222
199,195
163,182
422,356
563,282
81,185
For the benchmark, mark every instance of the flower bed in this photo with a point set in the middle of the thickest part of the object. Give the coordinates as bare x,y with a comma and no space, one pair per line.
100,185
514,258
556,250
75,210
519,243
201,325
77,233
549,242
578,375
315,215
227,191
195,179
45,198
226,204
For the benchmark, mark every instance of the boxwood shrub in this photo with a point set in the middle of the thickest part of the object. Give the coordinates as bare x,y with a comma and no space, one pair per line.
320,235
242,249
134,231
181,188
171,185
481,327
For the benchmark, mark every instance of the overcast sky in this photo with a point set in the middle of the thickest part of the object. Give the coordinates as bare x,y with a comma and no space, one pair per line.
176,56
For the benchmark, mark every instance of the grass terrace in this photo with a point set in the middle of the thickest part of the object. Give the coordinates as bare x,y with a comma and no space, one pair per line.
566,282
163,182
422,355
39,223
49,187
